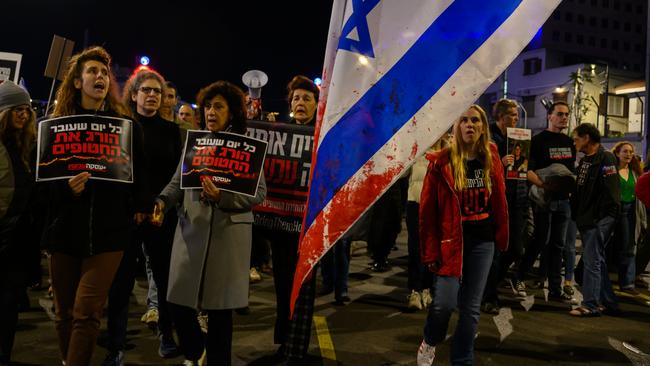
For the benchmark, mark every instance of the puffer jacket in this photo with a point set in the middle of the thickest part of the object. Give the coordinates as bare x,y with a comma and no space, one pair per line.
441,227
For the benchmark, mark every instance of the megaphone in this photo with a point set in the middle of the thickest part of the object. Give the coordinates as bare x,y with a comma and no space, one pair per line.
255,80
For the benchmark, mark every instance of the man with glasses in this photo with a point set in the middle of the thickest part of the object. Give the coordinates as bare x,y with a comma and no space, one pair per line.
551,152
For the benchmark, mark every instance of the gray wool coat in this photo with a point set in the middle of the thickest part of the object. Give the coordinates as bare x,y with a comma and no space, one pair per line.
212,246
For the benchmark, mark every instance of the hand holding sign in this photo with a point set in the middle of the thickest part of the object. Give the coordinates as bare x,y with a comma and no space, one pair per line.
210,191
78,183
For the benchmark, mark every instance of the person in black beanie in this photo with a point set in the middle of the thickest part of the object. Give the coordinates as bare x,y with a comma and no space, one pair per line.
17,143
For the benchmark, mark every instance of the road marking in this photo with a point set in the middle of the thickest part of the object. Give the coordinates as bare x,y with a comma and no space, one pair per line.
325,341
639,296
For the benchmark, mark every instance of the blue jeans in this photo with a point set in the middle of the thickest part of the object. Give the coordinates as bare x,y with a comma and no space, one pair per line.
625,244
596,287
550,235
335,267
570,251
450,293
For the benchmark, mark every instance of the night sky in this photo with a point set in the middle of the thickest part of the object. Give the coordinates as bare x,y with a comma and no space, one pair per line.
189,42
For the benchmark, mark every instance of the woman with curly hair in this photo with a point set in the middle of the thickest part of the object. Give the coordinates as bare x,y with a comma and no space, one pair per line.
212,245
89,221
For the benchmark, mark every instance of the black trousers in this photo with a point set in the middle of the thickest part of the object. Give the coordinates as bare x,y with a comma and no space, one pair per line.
8,320
294,333
158,242
119,297
217,343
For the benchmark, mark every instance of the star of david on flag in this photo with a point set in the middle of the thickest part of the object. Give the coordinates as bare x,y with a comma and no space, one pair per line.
396,75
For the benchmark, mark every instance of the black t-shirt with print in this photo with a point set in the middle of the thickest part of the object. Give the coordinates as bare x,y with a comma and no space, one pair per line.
549,147
475,204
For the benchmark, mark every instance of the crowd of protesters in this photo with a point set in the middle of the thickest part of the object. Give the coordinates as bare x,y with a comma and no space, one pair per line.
470,230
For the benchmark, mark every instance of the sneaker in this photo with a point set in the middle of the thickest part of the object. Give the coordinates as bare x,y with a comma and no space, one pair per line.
568,289
520,288
563,297
114,359
426,354
190,363
203,322
150,318
426,298
414,301
254,276
167,348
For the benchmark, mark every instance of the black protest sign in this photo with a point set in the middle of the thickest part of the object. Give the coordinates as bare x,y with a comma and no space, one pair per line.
233,162
286,170
99,145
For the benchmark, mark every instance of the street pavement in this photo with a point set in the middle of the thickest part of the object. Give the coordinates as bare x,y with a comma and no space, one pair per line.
375,328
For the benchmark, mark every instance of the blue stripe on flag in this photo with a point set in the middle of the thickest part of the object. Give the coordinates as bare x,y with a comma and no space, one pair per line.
452,38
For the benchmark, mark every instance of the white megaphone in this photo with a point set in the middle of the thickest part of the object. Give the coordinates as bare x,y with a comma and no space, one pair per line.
255,80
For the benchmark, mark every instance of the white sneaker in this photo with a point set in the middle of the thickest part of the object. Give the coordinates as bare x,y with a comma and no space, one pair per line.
254,276
190,363
520,288
426,354
426,298
415,301
150,317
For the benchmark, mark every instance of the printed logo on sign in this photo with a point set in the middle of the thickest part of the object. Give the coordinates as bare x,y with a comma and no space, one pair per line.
87,166
560,153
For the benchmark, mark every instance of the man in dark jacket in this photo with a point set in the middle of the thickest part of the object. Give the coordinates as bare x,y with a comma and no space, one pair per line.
506,115
595,206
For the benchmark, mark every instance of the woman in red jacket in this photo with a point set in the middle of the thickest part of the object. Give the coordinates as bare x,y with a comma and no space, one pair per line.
463,215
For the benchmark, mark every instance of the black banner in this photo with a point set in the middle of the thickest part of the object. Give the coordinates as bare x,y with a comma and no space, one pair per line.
99,145
233,162
286,169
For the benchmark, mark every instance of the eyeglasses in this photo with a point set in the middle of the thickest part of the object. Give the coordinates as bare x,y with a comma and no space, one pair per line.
148,90
19,110
467,119
562,114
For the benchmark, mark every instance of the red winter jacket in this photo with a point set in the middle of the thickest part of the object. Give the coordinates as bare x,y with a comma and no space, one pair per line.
642,189
441,229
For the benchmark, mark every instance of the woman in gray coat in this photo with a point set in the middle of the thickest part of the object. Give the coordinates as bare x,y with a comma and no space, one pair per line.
212,244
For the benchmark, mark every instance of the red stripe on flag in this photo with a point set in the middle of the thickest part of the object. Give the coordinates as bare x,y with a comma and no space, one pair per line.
345,208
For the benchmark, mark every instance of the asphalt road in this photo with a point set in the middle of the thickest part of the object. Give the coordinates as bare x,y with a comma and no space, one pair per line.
375,329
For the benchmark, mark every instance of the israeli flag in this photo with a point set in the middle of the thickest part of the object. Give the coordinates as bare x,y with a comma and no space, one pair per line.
397,74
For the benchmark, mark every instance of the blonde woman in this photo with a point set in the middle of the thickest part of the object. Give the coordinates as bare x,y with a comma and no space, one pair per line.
463,216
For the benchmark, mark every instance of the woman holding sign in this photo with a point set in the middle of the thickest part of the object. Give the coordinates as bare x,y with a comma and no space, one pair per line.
212,244
89,221
463,217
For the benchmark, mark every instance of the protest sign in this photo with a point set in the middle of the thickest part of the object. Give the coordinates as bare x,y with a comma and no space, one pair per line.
286,169
99,145
233,162
519,148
